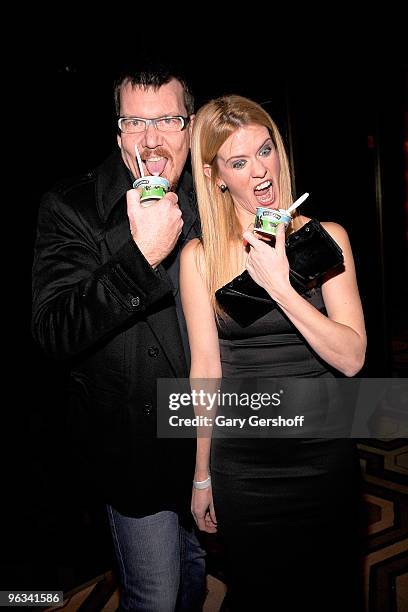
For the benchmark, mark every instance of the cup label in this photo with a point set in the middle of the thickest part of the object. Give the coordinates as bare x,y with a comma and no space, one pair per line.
152,188
267,220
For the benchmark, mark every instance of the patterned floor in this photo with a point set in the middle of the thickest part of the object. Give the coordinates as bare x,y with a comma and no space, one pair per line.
385,470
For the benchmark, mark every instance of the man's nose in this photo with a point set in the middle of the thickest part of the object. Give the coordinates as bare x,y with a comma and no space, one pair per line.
151,137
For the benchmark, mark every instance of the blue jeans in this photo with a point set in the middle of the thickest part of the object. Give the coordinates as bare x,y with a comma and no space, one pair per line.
161,564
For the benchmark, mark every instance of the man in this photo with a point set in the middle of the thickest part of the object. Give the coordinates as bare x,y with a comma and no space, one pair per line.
105,290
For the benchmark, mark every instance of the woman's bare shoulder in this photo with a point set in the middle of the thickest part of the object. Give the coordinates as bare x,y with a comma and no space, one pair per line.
192,245
335,230
192,253
192,248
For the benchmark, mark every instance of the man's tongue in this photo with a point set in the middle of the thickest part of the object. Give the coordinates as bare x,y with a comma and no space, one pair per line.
155,168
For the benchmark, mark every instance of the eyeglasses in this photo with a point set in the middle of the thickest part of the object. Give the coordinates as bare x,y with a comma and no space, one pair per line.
136,125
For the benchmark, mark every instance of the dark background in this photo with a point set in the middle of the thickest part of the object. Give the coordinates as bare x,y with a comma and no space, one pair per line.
343,122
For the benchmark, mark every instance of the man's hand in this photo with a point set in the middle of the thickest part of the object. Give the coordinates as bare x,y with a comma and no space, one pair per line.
155,228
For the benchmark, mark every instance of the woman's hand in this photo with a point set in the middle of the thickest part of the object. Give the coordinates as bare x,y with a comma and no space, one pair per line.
202,509
267,265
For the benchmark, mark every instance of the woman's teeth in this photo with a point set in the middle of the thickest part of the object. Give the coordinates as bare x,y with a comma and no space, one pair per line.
264,192
263,186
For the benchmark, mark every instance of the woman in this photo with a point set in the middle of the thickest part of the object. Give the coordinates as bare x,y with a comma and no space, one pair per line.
285,508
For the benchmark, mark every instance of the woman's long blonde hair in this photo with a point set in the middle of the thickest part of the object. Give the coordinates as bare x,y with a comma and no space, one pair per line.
221,231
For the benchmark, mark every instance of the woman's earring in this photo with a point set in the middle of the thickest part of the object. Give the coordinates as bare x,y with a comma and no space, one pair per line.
223,188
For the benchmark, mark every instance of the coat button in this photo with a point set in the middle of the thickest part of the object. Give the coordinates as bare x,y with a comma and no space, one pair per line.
147,409
153,351
135,301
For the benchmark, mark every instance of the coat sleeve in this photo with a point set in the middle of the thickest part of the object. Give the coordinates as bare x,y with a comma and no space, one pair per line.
78,300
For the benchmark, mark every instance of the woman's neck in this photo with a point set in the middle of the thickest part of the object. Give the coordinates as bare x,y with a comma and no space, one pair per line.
245,218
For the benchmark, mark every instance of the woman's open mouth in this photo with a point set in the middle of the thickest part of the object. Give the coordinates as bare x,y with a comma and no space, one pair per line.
265,193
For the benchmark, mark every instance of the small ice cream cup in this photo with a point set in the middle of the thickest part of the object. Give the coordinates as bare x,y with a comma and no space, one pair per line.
151,188
268,219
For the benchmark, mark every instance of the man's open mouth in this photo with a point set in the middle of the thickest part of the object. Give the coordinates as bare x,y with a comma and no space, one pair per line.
155,165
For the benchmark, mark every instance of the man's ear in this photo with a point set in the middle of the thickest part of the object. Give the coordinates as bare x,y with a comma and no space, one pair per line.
207,170
119,140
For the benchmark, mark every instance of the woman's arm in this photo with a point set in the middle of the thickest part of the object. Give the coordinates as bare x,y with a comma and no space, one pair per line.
339,338
205,364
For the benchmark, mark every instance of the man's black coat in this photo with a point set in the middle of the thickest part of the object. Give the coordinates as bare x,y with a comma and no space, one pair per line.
98,304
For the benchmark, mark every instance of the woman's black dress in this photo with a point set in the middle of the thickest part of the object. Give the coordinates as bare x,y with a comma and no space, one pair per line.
287,509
